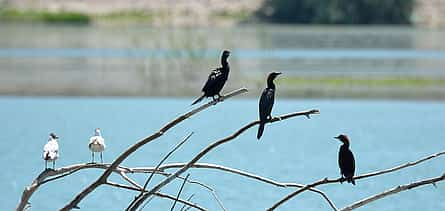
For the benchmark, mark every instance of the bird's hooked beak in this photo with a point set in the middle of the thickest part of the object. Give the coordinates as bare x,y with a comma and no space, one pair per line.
276,74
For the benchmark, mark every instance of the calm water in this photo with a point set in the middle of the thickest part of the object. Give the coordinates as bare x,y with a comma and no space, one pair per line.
141,60
383,133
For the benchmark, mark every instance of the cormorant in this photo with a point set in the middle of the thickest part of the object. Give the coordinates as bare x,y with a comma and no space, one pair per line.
51,150
266,102
217,79
346,160
97,144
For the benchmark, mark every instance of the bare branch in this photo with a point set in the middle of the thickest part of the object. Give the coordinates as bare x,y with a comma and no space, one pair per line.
409,164
180,200
51,175
179,193
134,183
103,178
248,175
211,147
165,158
328,181
395,190
185,202
188,199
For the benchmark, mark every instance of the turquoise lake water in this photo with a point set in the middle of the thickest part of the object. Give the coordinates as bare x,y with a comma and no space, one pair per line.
383,134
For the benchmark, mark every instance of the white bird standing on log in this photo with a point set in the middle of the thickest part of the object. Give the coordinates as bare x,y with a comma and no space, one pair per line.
97,144
51,150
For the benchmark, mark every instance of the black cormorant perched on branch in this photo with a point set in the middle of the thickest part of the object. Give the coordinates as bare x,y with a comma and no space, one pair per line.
217,79
266,102
346,160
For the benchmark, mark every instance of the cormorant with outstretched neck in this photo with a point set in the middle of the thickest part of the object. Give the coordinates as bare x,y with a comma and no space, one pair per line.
266,102
217,79
346,160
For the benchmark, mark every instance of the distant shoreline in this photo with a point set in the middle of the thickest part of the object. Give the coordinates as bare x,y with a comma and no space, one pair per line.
218,12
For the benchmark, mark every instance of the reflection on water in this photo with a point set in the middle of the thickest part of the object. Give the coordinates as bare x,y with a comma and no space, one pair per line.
144,60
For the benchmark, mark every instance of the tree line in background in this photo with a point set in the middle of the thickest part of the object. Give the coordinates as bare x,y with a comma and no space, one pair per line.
337,11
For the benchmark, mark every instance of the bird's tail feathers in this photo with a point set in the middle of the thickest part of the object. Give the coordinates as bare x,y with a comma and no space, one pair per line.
260,130
198,100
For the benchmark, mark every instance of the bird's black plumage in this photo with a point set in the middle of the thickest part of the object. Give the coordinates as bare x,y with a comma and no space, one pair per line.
346,160
217,79
267,100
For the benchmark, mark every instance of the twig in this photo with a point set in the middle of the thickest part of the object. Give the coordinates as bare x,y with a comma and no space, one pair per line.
139,200
395,190
134,183
181,200
165,158
179,193
248,175
185,202
188,199
324,181
396,168
328,181
103,178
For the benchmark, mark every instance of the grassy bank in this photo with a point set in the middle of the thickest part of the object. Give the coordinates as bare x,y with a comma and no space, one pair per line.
44,16
131,16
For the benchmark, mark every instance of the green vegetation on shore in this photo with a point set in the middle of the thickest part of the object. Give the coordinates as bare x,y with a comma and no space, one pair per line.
11,15
44,16
338,11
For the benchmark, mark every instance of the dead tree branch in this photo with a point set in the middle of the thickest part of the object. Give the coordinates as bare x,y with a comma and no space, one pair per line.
395,190
179,192
328,181
139,200
185,202
165,158
51,175
248,175
103,178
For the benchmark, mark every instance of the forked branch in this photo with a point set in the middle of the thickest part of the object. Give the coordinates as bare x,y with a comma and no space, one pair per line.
139,200
103,178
